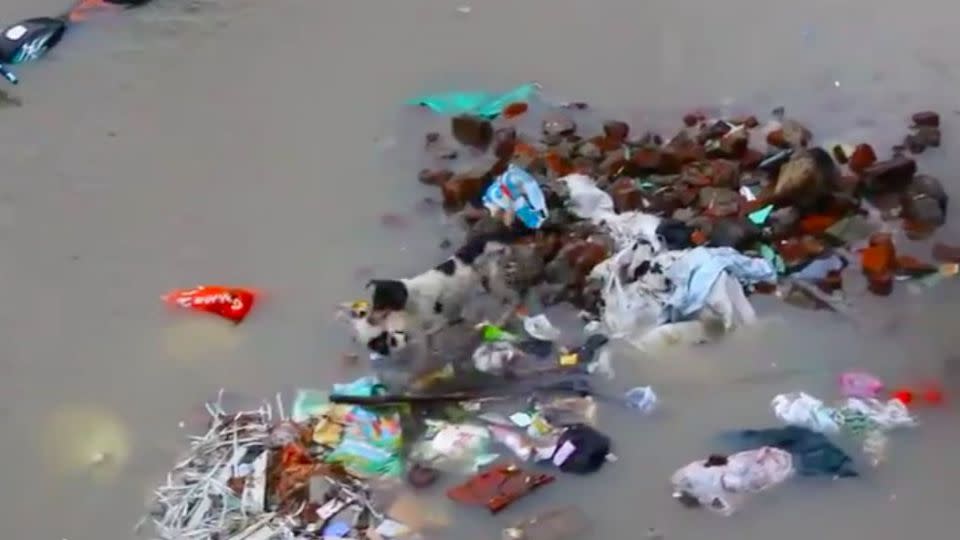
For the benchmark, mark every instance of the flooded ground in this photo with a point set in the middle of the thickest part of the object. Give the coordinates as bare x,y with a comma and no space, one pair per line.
241,142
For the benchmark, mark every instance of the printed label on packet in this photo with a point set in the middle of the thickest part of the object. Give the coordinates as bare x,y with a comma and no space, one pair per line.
563,453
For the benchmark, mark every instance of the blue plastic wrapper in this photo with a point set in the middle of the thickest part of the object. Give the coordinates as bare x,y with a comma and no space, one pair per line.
516,189
642,398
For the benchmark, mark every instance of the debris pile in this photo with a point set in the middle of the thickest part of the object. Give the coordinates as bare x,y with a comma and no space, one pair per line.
654,241
254,475
659,239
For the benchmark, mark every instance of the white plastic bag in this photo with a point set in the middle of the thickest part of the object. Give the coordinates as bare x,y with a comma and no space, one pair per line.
541,328
887,415
494,357
587,201
804,410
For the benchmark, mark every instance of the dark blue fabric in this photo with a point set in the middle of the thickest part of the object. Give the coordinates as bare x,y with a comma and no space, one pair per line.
813,454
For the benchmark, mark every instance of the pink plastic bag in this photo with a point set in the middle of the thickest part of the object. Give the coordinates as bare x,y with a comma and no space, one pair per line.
860,384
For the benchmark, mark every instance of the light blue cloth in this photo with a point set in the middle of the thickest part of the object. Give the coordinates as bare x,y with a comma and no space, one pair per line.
819,268
362,387
517,189
695,273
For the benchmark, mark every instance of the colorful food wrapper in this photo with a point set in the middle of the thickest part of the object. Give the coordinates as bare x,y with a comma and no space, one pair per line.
371,443
518,191
232,303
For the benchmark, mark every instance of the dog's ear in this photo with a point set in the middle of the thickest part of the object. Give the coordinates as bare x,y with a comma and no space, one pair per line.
389,295
379,344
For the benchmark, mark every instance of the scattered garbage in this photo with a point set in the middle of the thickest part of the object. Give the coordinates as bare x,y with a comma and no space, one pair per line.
256,473
655,242
865,418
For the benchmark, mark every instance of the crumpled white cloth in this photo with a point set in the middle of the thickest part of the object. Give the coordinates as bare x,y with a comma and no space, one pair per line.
587,201
724,488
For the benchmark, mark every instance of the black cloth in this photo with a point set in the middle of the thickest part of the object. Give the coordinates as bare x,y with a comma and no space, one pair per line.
590,449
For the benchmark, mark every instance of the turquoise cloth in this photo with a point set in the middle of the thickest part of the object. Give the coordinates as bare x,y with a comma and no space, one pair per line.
486,104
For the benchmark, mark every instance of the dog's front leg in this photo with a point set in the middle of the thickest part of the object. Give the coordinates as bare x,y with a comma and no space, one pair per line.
430,341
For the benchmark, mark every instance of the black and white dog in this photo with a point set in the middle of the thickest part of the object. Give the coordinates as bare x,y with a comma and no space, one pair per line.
406,309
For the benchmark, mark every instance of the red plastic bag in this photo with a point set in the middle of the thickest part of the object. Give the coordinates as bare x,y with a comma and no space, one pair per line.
929,394
231,303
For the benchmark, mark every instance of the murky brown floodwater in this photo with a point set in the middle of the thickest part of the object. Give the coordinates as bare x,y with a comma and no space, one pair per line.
239,142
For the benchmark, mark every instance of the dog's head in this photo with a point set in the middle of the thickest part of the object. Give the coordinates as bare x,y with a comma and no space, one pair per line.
389,294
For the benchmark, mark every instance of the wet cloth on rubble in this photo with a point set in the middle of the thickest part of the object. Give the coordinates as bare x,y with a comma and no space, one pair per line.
587,201
518,191
693,277
723,484
649,296
813,454
635,288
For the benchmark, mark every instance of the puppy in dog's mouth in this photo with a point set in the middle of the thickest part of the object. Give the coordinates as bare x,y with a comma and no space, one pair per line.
382,332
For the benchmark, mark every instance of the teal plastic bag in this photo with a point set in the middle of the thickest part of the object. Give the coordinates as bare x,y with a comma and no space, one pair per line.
773,258
487,104
760,216
308,403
